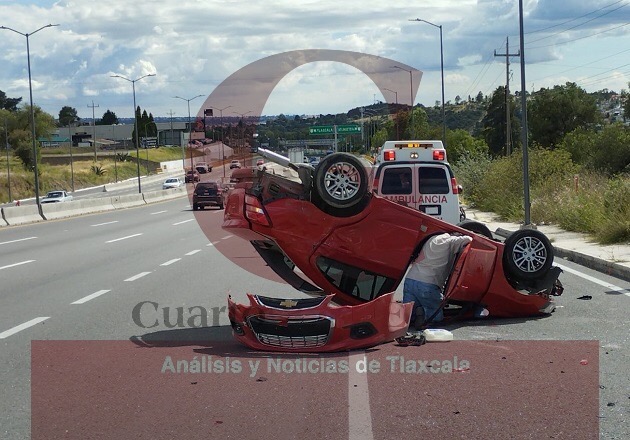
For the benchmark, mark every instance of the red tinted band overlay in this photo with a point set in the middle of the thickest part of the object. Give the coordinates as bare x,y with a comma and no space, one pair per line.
181,389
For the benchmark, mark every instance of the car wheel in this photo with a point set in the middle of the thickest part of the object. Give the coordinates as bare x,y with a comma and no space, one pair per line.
195,207
528,254
221,206
340,180
476,227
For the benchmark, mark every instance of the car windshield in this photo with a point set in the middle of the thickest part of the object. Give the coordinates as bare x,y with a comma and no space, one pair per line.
54,194
171,180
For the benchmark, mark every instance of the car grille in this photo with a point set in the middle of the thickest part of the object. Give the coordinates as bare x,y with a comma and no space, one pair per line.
293,304
294,333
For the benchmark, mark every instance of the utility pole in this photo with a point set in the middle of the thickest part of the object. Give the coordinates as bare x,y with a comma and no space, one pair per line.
171,115
508,113
93,128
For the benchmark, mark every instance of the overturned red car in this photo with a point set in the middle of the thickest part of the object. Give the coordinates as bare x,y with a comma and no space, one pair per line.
346,241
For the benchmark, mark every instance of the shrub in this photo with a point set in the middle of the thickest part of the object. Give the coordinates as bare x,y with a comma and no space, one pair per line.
98,170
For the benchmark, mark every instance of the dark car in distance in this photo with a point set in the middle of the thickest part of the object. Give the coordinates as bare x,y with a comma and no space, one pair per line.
192,176
207,194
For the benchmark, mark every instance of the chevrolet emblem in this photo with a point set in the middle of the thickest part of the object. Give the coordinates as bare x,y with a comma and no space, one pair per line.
288,303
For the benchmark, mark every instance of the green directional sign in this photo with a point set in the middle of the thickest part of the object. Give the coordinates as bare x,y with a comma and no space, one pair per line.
321,129
330,129
348,129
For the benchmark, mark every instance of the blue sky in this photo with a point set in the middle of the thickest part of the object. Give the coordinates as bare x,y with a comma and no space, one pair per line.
193,45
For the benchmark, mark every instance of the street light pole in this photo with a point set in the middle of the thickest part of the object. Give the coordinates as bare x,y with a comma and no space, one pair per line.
6,139
189,125
30,90
526,201
410,96
394,92
135,118
222,144
442,70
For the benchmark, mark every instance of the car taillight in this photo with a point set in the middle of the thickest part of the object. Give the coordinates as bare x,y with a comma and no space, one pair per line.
254,211
454,186
389,155
439,154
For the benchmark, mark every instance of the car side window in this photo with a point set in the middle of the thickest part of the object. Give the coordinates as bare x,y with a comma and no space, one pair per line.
396,181
433,180
354,281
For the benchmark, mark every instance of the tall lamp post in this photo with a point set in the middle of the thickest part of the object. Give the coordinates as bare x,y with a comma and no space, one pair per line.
30,90
189,123
135,123
222,144
442,69
410,96
394,92
6,140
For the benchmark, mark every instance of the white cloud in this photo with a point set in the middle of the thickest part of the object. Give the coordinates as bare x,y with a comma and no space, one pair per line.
193,46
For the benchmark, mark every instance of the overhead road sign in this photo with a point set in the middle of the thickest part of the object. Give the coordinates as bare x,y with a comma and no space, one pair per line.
331,129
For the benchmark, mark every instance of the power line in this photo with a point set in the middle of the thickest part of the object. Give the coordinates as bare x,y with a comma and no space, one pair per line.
580,38
577,18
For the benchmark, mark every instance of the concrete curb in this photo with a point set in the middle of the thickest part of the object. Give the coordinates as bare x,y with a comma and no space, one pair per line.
20,215
128,201
165,194
54,211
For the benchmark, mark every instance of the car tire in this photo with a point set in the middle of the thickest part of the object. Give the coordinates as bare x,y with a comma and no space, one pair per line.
221,206
528,255
340,181
476,227
195,207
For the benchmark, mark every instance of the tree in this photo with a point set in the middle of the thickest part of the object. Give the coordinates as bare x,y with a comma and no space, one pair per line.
552,113
109,118
8,103
460,143
67,116
607,150
20,137
494,124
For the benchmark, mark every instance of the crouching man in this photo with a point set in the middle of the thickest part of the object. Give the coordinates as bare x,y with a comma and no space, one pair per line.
427,275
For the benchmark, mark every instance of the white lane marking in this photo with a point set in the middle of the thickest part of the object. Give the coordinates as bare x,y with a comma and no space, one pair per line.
123,238
193,252
212,244
226,237
159,212
169,262
24,326
19,239
595,280
359,417
106,223
185,221
89,297
135,277
16,264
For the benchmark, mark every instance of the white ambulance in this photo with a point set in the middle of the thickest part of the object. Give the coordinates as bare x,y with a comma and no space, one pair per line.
417,174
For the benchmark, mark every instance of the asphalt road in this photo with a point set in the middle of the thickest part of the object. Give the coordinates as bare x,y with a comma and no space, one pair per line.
89,324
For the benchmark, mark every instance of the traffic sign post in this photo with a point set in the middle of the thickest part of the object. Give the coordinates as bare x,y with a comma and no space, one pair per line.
334,129
149,142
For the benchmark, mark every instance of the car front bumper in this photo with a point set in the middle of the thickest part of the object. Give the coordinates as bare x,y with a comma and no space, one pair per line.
315,325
